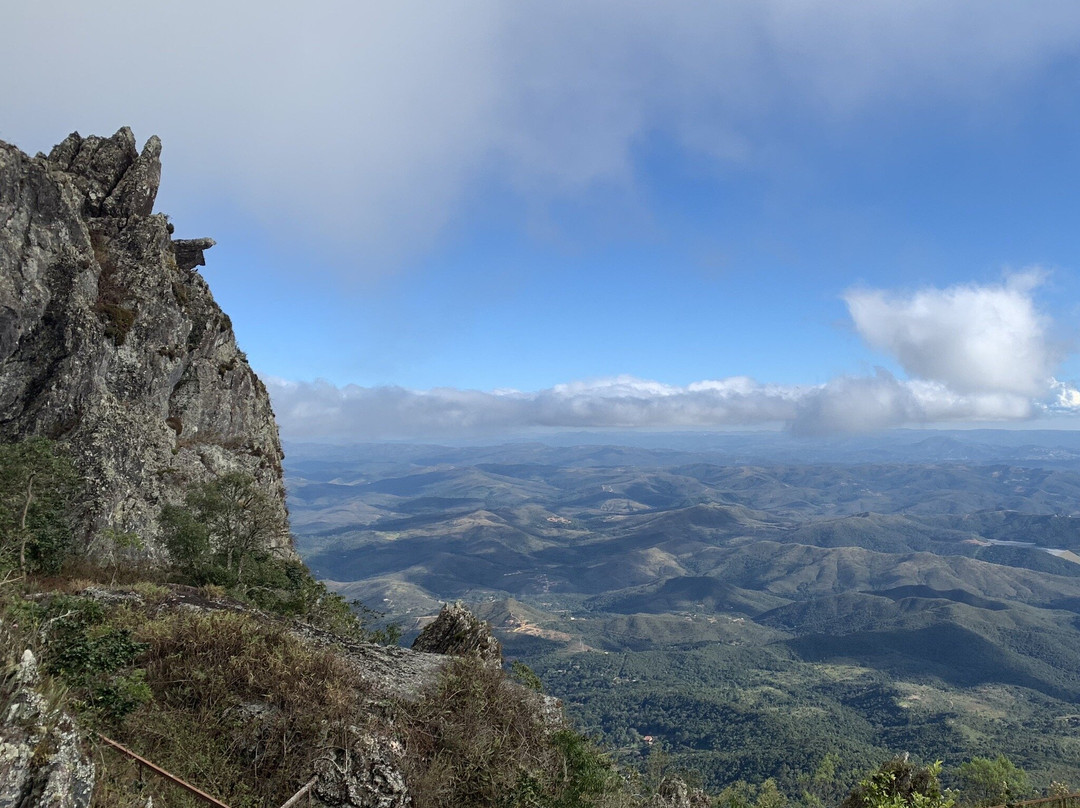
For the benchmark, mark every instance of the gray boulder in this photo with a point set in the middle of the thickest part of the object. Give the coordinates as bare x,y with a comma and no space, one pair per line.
459,632
364,776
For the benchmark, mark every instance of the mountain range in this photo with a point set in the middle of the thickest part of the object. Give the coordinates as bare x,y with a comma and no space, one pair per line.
914,592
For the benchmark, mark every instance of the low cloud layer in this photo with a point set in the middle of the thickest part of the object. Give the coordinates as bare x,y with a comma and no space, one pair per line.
308,410
971,353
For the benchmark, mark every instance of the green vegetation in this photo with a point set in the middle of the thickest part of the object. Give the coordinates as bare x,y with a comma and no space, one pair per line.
36,487
900,784
234,700
95,658
112,293
119,320
480,741
238,705
222,527
754,619
754,711
764,713
987,782
526,676
220,537
748,795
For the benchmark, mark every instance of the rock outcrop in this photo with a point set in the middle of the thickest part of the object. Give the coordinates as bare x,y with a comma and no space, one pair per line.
41,759
112,343
366,775
675,793
459,632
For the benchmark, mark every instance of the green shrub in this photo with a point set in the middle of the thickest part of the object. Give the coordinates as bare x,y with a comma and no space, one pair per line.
991,782
118,321
37,487
220,537
94,658
585,776
900,784
526,676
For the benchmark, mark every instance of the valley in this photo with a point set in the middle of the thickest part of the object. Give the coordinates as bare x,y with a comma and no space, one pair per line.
750,615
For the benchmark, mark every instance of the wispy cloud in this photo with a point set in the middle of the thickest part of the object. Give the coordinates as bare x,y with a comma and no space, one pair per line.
868,403
322,410
971,352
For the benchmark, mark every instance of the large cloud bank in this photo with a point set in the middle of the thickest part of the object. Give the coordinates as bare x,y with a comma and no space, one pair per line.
970,353
370,123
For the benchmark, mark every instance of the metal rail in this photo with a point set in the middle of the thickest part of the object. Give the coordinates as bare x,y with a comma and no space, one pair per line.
172,778
1063,801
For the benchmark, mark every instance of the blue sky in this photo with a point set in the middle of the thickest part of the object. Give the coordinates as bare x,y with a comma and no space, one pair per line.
487,217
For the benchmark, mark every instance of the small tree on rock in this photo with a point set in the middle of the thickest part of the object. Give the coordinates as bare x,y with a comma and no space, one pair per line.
224,522
37,486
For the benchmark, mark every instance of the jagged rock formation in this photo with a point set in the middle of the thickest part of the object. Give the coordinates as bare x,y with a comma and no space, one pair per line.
399,673
41,761
111,342
459,632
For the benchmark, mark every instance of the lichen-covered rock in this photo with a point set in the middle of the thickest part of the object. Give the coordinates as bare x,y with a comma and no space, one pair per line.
675,793
110,341
393,672
459,632
366,775
42,764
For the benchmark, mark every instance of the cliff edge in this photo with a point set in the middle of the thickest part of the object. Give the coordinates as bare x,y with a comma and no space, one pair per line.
111,342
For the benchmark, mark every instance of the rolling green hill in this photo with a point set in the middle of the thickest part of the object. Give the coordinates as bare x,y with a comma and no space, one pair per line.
749,617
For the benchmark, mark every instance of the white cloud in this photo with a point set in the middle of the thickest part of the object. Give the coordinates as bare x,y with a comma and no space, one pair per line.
866,404
319,409
970,338
308,410
370,123
1065,398
973,353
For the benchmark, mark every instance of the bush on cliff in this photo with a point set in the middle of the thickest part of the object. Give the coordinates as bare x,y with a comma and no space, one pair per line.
36,485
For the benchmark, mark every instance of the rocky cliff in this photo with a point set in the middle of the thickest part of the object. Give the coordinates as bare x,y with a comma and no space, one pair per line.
42,763
110,340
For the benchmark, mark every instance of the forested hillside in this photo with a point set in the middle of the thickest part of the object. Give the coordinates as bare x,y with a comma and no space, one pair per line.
748,619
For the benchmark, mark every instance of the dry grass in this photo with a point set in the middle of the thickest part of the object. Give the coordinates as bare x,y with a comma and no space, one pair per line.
241,708
479,739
